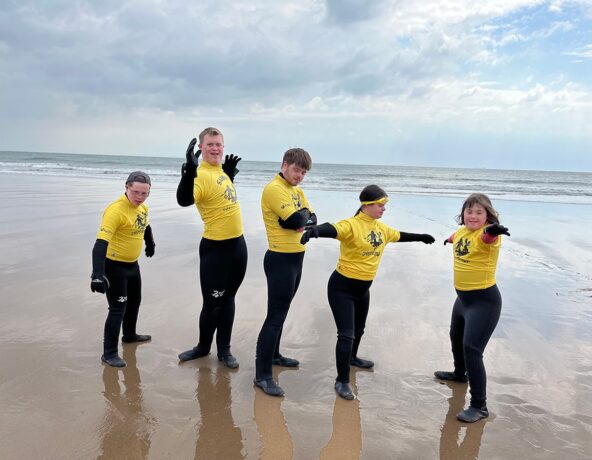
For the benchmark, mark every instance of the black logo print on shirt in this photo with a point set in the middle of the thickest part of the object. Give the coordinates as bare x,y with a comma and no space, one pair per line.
375,238
462,247
296,201
141,221
230,194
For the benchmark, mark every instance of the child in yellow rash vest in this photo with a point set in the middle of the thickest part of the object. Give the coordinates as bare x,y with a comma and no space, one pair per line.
222,249
116,272
363,238
478,304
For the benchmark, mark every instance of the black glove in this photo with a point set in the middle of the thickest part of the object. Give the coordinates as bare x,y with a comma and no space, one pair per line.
312,220
149,241
325,230
188,174
496,229
190,157
99,283
423,237
310,232
426,239
229,166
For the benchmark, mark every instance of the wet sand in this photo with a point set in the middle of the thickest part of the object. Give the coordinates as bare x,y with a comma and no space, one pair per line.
58,401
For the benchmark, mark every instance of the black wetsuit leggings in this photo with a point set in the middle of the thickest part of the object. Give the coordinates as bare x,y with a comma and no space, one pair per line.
124,296
474,317
222,268
349,300
283,272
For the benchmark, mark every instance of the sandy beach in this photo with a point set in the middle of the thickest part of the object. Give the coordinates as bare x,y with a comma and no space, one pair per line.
59,402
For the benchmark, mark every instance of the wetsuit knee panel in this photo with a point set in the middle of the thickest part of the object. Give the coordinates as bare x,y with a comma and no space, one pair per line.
347,335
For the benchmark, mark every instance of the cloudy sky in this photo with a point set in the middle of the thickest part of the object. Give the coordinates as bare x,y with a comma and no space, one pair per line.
496,83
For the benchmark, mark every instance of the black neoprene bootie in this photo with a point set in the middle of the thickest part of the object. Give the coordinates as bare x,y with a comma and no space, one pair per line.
363,363
137,338
344,390
269,387
280,360
113,361
229,361
194,353
473,414
446,375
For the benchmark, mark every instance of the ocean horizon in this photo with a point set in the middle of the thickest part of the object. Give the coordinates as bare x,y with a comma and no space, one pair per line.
502,184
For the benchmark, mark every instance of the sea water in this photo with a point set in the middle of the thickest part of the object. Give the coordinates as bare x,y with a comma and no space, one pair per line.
537,186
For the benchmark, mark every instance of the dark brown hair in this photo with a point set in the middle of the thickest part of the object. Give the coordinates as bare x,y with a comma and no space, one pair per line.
483,200
371,193
299,157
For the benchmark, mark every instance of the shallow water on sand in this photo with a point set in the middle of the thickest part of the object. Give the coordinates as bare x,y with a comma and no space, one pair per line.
58,401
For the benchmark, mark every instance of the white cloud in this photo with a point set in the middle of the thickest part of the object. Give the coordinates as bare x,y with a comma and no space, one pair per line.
123,65
584,52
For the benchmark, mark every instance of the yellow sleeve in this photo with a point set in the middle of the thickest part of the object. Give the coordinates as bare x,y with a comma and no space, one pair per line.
279,202
344,230
109,224
392,235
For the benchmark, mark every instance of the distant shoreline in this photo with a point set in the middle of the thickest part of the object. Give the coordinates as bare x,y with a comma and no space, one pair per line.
180,158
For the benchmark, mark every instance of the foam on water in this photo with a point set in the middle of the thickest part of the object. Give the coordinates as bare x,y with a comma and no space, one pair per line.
533,186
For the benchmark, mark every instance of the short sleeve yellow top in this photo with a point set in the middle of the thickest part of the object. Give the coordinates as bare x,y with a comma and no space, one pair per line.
362,243
474,261
281,200
217,203
123,226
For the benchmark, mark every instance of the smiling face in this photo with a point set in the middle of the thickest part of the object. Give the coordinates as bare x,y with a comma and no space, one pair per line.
475,217
293,173
212,149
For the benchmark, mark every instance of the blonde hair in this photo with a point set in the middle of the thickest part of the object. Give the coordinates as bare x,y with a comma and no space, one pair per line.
210,131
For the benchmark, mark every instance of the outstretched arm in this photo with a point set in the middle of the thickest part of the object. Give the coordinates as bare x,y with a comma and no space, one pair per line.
325,230
423,237
188,173
491,232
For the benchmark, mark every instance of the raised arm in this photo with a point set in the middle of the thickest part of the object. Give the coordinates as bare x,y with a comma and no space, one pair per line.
188,173
229,166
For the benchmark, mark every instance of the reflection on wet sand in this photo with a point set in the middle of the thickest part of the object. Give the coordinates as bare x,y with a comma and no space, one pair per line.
346,438
451,446
276,442
125,433
217,435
